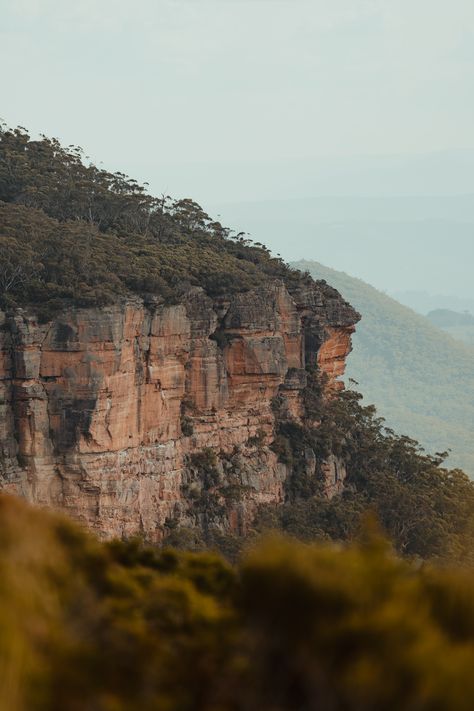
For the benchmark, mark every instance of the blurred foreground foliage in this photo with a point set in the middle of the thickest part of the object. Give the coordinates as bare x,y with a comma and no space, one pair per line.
120,626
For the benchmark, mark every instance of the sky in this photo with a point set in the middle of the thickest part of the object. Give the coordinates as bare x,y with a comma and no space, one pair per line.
237,101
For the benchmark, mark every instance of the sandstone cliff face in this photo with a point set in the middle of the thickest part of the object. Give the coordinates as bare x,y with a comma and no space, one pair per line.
116,414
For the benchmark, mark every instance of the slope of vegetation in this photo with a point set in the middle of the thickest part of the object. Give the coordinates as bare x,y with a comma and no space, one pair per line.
74,234
426,510
420,379
119,626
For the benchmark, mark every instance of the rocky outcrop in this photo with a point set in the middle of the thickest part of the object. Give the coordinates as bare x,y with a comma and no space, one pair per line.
134,416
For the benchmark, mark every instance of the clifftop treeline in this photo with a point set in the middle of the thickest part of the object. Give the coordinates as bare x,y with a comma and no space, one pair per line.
75,234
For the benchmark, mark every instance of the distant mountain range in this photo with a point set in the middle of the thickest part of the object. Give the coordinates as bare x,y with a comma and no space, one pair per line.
459,325
420,379
423,302
445,318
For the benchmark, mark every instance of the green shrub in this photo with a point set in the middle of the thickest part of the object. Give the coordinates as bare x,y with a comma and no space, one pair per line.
122,626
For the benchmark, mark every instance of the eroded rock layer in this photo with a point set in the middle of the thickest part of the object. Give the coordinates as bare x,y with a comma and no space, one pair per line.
116,414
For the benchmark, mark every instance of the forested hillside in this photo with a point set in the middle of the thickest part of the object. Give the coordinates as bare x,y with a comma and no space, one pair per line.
76,235
73,235
420,379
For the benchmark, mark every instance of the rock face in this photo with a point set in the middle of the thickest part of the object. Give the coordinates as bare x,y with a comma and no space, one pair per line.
133,416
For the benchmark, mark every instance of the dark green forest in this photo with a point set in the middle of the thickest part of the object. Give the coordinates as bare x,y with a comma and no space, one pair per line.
74,234
420,379
425,509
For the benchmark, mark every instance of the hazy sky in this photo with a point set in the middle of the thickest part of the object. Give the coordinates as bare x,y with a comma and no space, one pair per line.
228,100
154,83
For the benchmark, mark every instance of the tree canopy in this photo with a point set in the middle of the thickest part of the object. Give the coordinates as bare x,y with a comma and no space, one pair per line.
426,509
74,234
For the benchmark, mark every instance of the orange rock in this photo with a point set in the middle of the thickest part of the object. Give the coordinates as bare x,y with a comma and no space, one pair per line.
333,352
101,408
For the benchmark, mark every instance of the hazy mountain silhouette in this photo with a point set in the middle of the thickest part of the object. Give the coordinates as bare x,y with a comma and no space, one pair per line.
423,302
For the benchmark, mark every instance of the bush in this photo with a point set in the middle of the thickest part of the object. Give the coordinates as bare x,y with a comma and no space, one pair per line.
124,626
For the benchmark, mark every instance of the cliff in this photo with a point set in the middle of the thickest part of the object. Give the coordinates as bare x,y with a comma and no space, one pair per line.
137,416
150,358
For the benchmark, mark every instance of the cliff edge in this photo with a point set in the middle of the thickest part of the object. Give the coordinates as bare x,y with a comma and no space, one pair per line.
133,417
148,355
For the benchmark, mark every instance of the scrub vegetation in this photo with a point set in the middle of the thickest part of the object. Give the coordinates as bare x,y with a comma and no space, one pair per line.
120,626
72,234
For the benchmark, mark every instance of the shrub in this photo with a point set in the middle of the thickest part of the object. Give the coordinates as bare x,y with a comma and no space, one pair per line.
121,625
